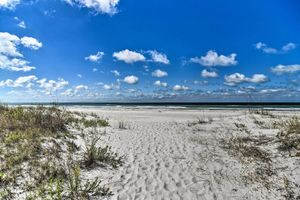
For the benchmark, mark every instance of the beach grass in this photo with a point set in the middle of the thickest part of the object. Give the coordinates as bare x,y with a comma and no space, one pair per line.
35,143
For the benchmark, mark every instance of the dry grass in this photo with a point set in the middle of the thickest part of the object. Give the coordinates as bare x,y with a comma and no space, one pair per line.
94,155
200,120
242,127
262,112
245,150
33,157
289,136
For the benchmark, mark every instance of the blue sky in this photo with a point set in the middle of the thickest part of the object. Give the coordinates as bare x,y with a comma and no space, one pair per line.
129,50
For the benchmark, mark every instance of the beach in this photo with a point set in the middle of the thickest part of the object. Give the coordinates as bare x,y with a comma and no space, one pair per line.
177,153
149,152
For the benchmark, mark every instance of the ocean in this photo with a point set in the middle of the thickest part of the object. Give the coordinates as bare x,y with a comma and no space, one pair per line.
178,105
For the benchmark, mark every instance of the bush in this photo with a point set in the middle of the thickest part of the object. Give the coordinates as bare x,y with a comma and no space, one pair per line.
94,154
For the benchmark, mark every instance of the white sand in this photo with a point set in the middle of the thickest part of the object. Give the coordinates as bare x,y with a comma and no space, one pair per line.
167,159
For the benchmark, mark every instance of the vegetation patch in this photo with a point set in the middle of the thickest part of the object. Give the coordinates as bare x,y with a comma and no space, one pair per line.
262,112
200,120
289,136
36,149
93,155
242,128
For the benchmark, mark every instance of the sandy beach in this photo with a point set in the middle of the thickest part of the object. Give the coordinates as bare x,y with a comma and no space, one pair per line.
172,153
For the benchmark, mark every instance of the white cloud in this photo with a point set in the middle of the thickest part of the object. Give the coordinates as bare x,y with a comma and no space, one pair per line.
265,48
131,90
115,72
131,79
81,87
180,87
10,57
9,4
79,75
269,50
14,64
285,69
100,6
8,44
129,56
158,73
31,43
213,59
22,81
96,57
68,92
21,23
108,87
258,78
146,68
76,91
159,57
208,74
95,69
49,13
289,46
160,84
51,86
238,78
268,91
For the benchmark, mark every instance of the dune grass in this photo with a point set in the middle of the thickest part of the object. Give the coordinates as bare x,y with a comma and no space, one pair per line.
94,154
35,143
289,136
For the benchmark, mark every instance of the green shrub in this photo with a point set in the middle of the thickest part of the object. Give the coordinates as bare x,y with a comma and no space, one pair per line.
94,154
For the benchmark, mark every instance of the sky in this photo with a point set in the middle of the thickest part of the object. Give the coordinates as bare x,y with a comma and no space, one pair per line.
149,51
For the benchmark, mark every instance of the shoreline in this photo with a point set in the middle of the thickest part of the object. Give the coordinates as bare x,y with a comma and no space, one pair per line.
168,107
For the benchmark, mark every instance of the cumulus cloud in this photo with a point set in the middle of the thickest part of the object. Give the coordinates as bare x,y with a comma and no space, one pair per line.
237,78
270,50
159,73
81,87
209,74
159,57
51,86
128,56
131,79
180,88
31,43
160,84
108,87
289,46
285,69
22,81
115,72
10,57
14,64
68,92
213,59
9,4
100,6
76,91
95,57
32,82
8,44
